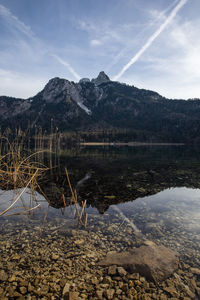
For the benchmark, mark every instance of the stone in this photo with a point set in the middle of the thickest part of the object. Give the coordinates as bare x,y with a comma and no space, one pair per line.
12,278
79,242
16,257
3,276
121,271
112,270
198,291
195,271
71,296
172,291
109,293
155,263
99,294
23,289
66,289
54,256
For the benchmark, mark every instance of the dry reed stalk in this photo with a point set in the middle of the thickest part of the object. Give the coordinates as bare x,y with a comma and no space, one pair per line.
82,216
25,211
46,212
20,194
19,171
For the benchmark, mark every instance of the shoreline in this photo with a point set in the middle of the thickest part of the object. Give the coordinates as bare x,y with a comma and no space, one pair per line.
129,144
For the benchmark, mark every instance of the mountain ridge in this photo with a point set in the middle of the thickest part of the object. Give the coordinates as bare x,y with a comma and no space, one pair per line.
100,104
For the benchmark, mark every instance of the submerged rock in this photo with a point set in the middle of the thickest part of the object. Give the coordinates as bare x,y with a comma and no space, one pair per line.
154,262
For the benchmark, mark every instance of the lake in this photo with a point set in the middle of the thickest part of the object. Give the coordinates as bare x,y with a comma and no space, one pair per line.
134,195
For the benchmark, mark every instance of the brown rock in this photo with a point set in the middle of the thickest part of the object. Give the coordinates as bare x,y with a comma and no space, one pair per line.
3,276
54,256
66,288
112,270
109,293
172,291
23,289
121,271
195,271
71,296
99,294
156,263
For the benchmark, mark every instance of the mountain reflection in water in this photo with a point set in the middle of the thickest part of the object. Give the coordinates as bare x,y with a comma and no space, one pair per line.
111,175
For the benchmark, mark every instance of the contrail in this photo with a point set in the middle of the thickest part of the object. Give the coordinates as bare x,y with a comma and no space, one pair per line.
151,39
121,53
65,63
15,22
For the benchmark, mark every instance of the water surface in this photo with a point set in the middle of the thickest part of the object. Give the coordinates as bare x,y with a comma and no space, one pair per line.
133,195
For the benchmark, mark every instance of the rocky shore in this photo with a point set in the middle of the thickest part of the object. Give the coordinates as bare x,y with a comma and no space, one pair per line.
53,260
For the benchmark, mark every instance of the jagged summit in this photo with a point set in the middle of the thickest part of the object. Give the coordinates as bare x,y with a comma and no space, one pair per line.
61,82
101,78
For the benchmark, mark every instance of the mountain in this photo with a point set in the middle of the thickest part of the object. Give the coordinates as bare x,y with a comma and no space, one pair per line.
118,110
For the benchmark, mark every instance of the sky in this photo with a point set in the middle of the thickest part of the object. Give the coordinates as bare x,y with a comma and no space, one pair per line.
151,44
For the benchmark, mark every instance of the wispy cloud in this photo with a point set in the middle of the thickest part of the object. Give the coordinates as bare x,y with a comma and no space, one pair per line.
15,22
32,55
66,64
152,38
102,32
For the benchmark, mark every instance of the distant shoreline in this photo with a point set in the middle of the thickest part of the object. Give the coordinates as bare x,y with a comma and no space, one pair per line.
129,144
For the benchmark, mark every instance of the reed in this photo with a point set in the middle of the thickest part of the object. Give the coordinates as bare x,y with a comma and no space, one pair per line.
81,213
18,169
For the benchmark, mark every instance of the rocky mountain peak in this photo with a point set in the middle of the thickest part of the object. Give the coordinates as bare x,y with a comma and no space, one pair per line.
84,80
55,87
101,78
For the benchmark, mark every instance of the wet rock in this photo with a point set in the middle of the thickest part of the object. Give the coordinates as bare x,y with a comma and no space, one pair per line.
156,263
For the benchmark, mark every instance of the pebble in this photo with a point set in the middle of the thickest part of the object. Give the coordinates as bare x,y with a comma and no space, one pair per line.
109,293
112,270
3,275
121,271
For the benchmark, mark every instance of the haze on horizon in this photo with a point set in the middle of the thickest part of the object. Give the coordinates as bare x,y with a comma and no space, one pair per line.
150,44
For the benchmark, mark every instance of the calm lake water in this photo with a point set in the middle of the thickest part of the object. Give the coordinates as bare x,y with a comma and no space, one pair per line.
133,194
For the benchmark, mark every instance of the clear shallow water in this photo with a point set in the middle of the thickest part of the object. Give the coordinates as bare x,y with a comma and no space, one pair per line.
170,217
156,188
132,195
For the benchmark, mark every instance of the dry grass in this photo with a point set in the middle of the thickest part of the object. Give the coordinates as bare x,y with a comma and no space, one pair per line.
18,169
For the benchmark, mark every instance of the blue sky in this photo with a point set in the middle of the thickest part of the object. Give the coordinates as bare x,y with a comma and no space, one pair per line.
152,44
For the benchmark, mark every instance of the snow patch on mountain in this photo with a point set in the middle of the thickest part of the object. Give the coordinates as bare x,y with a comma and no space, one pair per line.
87,110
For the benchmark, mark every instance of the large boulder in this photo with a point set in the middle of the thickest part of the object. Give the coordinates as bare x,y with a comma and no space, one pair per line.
156,263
